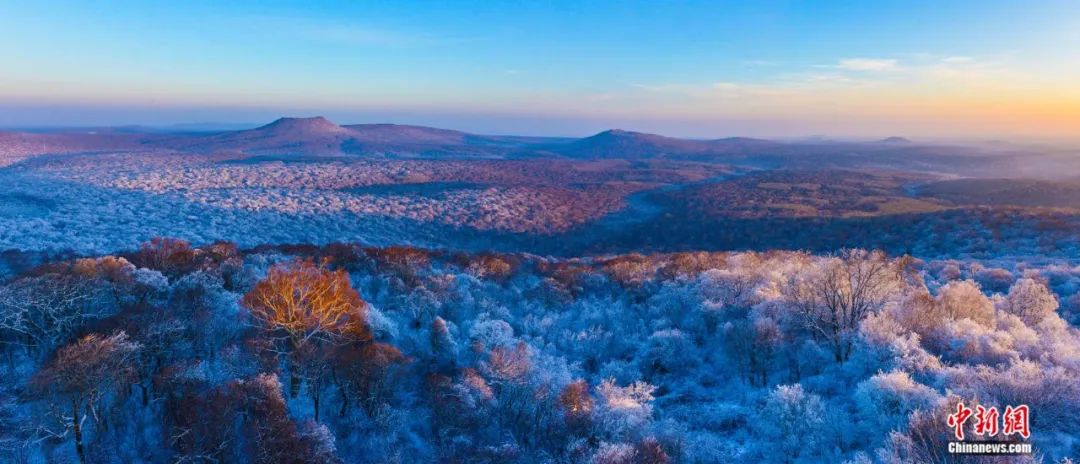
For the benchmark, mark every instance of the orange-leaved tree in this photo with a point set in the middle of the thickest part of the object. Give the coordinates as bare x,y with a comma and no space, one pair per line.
314,309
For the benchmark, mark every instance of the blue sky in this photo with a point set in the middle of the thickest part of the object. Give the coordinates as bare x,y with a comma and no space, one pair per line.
568,68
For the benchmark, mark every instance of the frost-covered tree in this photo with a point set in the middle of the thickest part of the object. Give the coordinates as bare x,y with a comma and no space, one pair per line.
753,345
577,404
834,296
443,347
1031,301
42,312
964,299
789,423
669,351
885,400
361,372
623,411
173,257
247,420
81,376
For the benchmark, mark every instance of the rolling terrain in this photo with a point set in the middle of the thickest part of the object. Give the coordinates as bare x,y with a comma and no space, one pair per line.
1014,192
312,180
620,298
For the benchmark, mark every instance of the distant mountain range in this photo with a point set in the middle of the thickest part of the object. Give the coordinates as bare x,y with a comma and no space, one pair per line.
894,140
317,136
633,145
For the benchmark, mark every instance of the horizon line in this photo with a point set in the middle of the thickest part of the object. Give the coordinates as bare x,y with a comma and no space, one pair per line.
177,127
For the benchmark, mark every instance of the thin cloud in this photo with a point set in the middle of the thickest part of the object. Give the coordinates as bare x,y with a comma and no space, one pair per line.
762,63
867,64
716,91
957,59
728,89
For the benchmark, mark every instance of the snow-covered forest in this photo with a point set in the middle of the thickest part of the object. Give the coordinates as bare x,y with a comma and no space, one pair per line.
319,307
539,232
55,203
98,203
339,353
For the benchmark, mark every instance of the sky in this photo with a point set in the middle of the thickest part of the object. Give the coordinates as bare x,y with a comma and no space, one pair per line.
943,68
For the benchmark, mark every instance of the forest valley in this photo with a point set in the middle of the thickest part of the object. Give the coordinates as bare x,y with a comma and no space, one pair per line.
343,353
